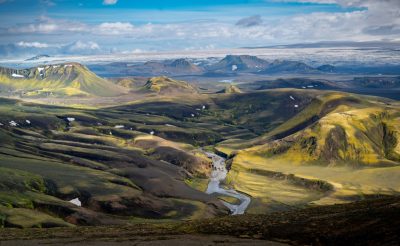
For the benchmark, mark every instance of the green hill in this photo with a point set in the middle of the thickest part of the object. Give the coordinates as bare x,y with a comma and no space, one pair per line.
165,85
231,89
68,79
337,129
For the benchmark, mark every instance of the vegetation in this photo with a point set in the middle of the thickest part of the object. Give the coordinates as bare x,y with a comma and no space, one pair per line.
140,160
61,80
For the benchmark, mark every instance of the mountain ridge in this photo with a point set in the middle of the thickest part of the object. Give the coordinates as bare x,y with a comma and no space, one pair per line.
65,79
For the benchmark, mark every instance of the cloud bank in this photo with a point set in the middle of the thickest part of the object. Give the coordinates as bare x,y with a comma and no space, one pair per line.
367,20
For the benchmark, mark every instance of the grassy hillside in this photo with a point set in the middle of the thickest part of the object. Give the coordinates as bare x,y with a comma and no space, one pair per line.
371,222
339,129
69,79
165,85
231,89
117,169
287,149
338,148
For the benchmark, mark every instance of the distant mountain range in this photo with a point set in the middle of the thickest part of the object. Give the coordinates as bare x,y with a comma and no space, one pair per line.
231,64
74,79
335,44
38,57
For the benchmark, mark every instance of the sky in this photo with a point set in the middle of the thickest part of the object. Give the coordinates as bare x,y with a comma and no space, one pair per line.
86,27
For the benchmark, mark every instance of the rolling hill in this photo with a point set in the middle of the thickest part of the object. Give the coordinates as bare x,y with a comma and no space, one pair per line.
286,148
342,130
230,89
69,79
165,85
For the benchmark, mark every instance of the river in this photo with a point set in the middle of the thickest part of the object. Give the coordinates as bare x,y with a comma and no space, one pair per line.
218,174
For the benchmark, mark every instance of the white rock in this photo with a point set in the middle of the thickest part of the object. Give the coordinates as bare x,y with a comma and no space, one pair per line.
17,75
28,121
234,67
13,123
152,133
70,119
77,202
119,126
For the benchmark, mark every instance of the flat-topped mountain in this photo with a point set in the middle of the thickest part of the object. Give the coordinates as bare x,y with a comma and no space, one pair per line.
239,63
67,79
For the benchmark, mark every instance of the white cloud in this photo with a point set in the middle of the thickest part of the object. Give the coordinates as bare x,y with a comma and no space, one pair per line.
114,28
48,25
48,3
250,21
81,46
32,44
110,2
374,20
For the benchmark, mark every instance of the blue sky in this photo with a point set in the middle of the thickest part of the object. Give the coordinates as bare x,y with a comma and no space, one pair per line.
123,26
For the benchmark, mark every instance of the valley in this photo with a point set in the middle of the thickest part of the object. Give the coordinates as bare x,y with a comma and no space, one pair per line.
231,122
80,150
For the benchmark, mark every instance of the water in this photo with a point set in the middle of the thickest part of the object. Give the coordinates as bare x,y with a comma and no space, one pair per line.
219,174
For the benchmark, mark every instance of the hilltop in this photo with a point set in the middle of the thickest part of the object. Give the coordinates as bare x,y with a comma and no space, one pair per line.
350,133
67,79
230,89
168,86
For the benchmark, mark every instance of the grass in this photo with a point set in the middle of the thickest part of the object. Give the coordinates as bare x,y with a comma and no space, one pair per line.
62,81
27,218
350,184
129,175
373,221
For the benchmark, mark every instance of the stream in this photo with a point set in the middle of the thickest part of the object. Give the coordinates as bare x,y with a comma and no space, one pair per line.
218,174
